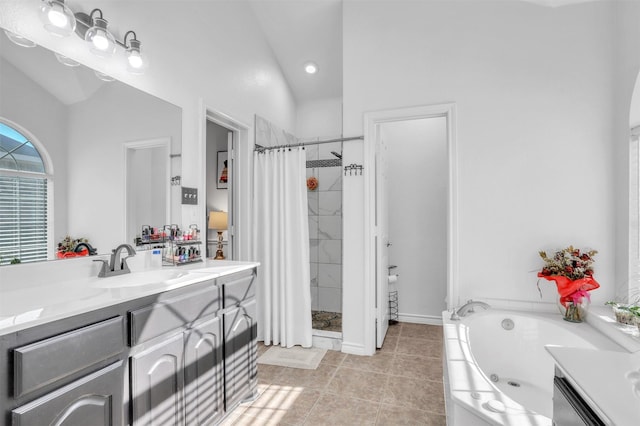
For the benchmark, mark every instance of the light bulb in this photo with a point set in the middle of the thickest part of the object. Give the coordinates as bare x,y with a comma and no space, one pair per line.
100,41
311,68
57,18
136,62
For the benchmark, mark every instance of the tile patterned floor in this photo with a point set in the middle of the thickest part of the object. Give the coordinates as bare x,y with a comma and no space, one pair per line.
326,321
400,385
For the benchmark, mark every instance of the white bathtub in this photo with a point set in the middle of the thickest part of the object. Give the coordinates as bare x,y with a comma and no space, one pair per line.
497,376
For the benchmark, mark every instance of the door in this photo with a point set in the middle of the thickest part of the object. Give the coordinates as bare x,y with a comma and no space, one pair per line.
230,170
157,383
382,240
203,373
240,355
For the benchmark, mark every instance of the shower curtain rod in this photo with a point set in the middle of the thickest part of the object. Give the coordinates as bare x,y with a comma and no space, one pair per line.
261,148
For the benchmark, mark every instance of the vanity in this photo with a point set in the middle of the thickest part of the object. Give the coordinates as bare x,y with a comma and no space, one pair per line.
164,346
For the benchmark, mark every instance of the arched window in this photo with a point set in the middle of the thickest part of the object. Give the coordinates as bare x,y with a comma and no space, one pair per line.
24,189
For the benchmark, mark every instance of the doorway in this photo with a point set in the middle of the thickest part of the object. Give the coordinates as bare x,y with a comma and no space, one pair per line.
219,191
377,223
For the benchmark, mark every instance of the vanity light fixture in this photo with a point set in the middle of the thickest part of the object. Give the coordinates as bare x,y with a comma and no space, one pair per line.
57,18
19,40
101,41
93,28
311,67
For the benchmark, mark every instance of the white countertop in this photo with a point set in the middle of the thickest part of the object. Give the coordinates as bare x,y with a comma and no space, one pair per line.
609,381
29,301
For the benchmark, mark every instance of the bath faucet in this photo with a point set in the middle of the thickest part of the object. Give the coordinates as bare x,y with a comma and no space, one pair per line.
116,266
467,308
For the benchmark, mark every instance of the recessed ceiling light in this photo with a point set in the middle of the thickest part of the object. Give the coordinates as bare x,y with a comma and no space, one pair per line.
311,67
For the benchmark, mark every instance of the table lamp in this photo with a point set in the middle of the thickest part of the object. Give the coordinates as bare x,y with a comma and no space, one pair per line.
218,222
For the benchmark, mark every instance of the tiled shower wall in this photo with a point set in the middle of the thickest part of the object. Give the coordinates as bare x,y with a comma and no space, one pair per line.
325,230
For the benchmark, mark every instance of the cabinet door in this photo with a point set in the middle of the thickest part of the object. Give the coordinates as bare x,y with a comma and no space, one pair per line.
240,353
204,383
157,381
95,399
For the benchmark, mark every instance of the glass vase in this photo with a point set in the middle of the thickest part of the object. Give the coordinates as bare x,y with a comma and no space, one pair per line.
574,310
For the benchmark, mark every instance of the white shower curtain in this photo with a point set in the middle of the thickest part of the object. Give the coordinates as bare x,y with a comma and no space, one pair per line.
281,245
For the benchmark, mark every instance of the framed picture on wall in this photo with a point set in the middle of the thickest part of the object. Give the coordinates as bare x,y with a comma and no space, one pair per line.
222,178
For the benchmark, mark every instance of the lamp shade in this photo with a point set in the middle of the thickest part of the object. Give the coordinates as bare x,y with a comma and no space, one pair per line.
218,220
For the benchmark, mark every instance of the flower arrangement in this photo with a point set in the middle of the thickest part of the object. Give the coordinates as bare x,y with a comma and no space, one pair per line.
67,247
312,183
572,271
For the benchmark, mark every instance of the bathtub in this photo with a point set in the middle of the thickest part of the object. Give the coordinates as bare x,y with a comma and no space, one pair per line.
496,368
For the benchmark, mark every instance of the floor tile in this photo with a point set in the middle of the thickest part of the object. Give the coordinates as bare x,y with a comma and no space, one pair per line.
336,410
421,331
392,415
389,345
333,358
419,347
312,379
286,404
417,367
380,362
357,384
414,393
400,385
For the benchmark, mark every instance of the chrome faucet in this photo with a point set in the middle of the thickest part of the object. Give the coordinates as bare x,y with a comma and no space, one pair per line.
116,266
467,308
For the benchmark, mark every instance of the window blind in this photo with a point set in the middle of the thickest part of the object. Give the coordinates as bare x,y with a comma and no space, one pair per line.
23,219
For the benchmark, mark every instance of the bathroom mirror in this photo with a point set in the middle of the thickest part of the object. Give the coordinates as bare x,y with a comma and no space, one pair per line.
87,126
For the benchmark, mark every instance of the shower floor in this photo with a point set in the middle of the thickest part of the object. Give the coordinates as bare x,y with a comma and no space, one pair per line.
327,321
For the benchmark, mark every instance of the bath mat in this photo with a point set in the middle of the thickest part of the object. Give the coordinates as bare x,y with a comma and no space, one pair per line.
295,357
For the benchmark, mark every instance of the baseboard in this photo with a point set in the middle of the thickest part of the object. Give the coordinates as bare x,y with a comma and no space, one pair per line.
420,319
353,349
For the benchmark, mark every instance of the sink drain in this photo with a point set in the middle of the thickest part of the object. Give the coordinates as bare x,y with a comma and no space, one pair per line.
494,378
514,384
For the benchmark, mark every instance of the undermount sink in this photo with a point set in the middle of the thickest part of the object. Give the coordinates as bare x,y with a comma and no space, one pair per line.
138,279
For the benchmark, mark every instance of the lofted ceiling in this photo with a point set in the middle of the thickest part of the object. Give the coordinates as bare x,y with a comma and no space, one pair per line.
311,30
300,31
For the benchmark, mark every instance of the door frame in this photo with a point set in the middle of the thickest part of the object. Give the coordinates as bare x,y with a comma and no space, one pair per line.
241,179
163,143
372,122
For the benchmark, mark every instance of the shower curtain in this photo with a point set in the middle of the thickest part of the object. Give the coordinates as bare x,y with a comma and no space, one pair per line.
281,245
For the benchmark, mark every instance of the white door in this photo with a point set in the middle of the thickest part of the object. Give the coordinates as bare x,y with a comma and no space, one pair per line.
382,241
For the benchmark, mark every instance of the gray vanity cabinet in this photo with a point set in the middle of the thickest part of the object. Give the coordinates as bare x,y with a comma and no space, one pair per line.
66,373
93,400
240,368
180,357
240,337
204,372
157,383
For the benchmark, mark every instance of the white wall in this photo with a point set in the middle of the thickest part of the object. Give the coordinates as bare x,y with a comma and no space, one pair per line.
321,118
626,62
533,88
417,179
46,118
